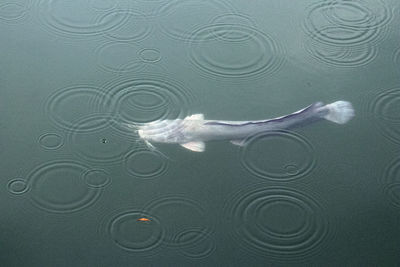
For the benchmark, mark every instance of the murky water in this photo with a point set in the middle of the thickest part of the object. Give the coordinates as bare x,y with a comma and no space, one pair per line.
79,187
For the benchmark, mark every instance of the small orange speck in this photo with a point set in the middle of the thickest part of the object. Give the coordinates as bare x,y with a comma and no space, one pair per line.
143,220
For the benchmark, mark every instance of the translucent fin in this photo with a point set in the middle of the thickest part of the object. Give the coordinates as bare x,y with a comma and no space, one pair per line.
195,146
239,142
153,148
339,112
195,117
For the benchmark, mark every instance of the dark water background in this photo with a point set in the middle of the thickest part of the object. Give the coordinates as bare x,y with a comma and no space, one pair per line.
75,181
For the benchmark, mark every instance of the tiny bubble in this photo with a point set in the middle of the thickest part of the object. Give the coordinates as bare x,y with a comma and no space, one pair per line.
104,140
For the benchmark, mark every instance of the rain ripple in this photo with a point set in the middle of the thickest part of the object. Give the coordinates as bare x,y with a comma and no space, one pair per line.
118,57
359,14
385,111
179,216
342,56
195,244
343,22
280,222
278,155
234,19
129,233
150,55
144,163
134,29
99,145
97,178
51,141
234,50
78,18
178,19
344,33
17,186
59,187
104,5
14,12
396,57
390,181
67,105
146,98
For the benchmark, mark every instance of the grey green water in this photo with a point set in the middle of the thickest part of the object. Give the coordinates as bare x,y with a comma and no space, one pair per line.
78,187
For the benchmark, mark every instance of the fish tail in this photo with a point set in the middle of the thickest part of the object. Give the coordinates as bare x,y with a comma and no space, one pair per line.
339,112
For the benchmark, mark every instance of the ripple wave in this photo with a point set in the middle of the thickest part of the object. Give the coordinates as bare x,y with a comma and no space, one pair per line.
144,163
187,214
278,155
384,108
78,18
66,106
277,221
147,98
128,233
178,19
58,187
390,182
234,50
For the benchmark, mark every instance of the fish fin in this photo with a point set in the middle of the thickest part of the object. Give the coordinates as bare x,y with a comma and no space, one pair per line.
239,142
153,148
195,117
195,146
339,112
191,123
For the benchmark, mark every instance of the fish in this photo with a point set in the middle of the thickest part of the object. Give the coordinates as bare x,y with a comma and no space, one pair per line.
194,131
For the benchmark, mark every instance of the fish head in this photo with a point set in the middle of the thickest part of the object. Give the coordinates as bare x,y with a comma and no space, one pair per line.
162,131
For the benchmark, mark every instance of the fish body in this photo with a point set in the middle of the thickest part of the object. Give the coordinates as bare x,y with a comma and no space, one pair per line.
193,131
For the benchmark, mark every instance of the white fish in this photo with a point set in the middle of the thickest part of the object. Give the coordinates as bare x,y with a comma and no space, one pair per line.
193,131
